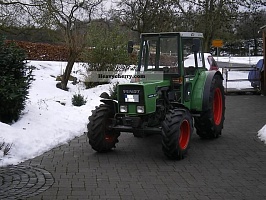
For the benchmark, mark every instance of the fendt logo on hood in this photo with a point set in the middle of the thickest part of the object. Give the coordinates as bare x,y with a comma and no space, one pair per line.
131,91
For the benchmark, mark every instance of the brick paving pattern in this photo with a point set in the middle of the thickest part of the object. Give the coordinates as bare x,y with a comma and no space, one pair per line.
19,182
230,167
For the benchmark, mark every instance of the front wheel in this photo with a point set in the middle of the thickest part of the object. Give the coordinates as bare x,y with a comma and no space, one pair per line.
101,136
176,133
210,123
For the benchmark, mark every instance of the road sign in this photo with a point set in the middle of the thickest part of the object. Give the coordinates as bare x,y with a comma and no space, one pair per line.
217,43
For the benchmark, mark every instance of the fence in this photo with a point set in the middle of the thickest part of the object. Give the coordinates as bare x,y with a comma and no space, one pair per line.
240,69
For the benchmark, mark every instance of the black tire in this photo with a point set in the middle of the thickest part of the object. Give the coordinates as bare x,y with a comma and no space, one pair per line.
210,123
101,137
176,133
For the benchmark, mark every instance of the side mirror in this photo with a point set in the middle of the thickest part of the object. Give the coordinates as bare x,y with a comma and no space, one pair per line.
196,45
130,46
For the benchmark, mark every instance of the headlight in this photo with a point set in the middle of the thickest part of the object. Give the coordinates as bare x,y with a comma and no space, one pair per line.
123,109
140,109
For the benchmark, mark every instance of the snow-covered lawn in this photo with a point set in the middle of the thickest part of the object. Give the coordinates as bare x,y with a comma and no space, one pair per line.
46,123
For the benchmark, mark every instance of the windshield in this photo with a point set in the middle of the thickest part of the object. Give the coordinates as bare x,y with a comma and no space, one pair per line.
159,53
189,56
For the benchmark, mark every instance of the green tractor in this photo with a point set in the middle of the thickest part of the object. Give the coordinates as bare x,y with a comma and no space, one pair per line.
172,93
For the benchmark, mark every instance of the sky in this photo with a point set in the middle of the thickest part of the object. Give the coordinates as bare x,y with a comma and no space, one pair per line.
46,123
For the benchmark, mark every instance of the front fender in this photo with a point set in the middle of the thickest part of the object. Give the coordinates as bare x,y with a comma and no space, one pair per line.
112,103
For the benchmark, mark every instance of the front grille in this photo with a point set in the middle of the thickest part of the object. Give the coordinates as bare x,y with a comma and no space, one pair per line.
128,94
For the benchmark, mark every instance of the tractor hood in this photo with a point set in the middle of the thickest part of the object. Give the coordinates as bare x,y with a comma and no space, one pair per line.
139,98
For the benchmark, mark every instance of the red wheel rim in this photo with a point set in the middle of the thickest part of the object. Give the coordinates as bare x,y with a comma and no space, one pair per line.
108,137
184,134
217,106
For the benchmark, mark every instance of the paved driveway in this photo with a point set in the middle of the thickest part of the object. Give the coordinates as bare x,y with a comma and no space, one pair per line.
230,167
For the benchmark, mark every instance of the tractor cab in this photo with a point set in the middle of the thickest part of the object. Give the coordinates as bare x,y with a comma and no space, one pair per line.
172,53
176,58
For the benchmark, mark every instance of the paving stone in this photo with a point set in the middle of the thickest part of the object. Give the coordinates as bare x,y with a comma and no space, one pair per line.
231,167
23,181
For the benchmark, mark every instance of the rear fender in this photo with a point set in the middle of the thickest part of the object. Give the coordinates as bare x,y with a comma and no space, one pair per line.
201,91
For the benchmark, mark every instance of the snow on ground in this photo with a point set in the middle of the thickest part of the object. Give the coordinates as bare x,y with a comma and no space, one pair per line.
242,60
46,123
262,134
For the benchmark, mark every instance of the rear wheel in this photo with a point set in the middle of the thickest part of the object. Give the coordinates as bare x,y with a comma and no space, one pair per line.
176,133
101,136
210,123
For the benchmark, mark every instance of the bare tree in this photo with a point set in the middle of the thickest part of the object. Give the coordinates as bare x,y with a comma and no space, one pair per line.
72,18
207,16
215,18
249,23
9,11
14,2
145,16
212,17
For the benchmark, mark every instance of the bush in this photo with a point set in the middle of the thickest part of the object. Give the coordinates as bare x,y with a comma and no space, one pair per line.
109,48
15,79
5,148
78,100
107,52
89,82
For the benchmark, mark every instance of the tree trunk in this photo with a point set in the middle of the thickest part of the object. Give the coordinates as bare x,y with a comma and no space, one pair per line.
69,67
207,43
255,47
